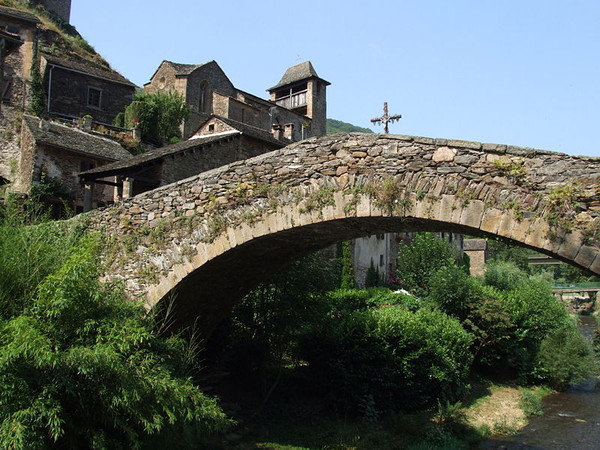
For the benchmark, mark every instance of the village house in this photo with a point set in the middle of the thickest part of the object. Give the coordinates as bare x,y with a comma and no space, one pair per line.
218,142
61,152
296,109
229,124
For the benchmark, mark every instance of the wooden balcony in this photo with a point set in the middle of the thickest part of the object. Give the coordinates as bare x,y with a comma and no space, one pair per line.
293,101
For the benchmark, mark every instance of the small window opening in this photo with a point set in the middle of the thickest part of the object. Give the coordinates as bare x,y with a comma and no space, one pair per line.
94,97
211,127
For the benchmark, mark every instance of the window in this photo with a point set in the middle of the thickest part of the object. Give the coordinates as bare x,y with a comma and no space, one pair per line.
94,97
211,127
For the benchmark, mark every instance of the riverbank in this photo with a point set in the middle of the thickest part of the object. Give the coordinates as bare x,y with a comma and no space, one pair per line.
294,420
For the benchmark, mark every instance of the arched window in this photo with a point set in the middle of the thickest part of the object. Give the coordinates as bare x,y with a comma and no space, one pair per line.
203,105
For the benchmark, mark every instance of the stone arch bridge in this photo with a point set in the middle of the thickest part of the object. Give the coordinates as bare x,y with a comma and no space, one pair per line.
207,240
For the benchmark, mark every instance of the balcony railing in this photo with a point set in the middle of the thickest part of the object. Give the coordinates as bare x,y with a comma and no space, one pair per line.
292,101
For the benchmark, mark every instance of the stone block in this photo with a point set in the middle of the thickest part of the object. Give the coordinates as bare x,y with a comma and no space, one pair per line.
586,256
363,207
571,245
444,154
472,214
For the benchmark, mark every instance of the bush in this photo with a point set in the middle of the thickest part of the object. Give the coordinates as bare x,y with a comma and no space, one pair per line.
454,291
564,358
504,275
81,367
535,313
418,261
404,360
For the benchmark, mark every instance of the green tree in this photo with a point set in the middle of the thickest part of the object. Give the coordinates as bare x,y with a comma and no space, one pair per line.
159,115
418,261
347,281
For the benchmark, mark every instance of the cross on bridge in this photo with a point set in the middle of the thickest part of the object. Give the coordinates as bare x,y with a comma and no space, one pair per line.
386,118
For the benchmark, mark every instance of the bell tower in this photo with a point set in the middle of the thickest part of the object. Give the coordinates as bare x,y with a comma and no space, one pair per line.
302,91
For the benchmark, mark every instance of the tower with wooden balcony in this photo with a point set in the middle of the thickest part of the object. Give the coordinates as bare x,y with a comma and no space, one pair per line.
302,91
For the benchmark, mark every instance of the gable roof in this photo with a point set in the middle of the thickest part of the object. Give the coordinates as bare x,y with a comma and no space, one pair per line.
153,156
18,14
302,71
89,68
248,130
75,140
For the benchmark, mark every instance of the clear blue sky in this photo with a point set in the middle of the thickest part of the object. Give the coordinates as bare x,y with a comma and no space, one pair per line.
520,72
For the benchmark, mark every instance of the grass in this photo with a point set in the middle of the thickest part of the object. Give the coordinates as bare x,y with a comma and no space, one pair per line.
296,419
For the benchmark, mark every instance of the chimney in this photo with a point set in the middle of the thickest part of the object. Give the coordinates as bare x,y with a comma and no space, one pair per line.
289,131
277,131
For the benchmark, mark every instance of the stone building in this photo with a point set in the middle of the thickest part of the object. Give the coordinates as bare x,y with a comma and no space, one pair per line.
76,88
61,152
297,108
217,142
59,8
22,27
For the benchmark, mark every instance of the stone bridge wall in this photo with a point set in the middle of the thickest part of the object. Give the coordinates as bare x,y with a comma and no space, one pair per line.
544,200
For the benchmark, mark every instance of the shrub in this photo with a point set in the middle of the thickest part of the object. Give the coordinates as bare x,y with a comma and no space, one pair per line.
82,368
454,291
564,358
504,275
418,261
403,359
535,312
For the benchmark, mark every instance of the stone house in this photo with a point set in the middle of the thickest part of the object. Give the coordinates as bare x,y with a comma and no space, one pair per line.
17,64
75,88
297,108
61,152
217,142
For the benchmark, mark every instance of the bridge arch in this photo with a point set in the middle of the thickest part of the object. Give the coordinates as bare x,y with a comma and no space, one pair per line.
212,237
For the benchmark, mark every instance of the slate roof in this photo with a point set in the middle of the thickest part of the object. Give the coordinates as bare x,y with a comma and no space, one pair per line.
249,130
89,68
18,14
152,156
75,140
185,69
296,73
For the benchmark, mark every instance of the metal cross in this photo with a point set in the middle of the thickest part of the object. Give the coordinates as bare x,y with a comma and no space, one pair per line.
386,118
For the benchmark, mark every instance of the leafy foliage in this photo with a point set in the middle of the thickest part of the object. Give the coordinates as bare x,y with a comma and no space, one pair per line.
564,358
347,281
79,365
159,115
418,261
504,275
402,359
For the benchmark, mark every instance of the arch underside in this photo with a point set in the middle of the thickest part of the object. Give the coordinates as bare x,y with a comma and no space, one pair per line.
206,295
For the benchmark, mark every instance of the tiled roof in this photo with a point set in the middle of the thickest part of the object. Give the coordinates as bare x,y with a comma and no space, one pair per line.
152,156
296,73
75,140
89,68
18,14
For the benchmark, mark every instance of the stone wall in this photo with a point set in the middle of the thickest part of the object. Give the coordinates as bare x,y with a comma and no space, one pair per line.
62,8
250,217
10,143
222,152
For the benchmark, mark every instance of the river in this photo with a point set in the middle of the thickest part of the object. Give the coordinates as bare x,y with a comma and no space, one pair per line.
571,419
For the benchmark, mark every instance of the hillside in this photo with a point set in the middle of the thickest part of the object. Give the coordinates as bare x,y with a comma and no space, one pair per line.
337,126
59,38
